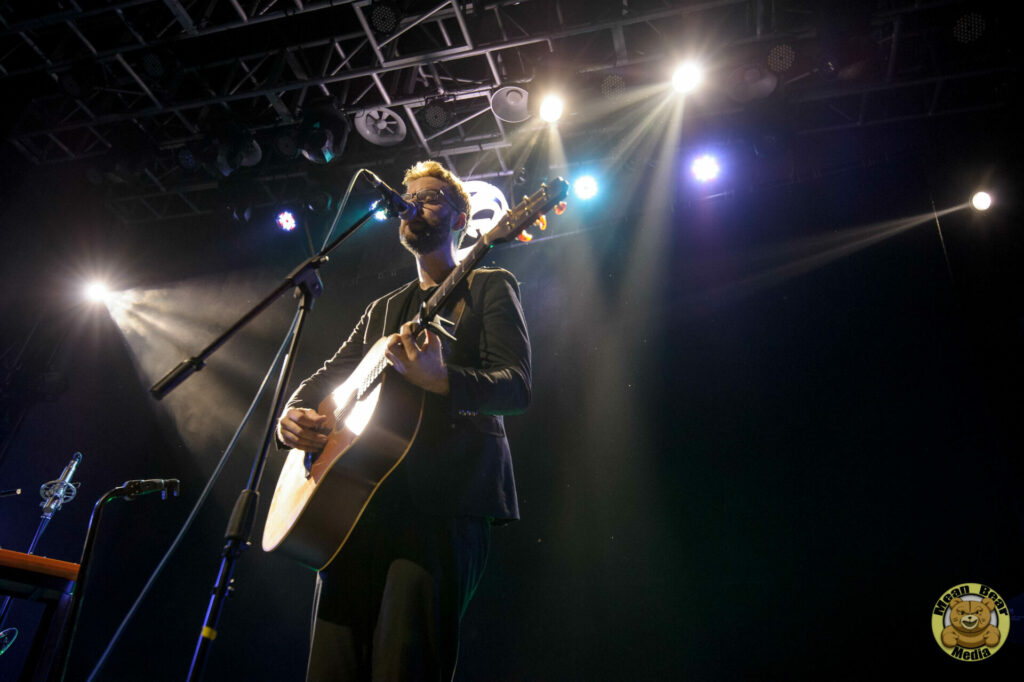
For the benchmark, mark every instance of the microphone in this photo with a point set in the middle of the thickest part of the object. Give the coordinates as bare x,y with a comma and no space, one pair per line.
394,204
129,490
56,493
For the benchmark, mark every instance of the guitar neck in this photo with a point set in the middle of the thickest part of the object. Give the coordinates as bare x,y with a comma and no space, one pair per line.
511,224
444,291
378,363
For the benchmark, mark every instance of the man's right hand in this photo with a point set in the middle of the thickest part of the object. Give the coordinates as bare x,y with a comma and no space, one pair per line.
300,428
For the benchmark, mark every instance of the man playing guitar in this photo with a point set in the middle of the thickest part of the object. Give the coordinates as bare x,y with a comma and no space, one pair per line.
388,606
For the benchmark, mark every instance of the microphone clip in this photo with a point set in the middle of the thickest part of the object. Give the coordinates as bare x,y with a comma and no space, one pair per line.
57,493
129,490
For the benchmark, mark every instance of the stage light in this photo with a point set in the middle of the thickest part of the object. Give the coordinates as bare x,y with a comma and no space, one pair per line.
318,146
384,17
687,77
981,201
286,142
236,148
749,82
286,221
511,104
585,187
705,168
969,28
381,214
322,135
613,86
97,292
437,115
781,57
551,108
187,158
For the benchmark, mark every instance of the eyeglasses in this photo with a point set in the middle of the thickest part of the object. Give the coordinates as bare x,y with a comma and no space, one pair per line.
430,196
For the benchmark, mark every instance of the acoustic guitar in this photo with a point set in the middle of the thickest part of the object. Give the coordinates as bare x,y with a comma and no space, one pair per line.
373,417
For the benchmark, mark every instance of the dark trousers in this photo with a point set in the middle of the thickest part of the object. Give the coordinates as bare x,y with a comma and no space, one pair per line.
388,607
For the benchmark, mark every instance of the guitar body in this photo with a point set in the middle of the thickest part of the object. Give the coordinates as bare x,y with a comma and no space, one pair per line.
311,518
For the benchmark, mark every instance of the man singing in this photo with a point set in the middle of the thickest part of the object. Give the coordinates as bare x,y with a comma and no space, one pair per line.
388,607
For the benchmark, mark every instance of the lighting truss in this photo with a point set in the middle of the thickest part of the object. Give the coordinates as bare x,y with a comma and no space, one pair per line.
146,78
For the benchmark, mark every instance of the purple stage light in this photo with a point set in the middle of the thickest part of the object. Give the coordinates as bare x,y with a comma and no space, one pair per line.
705,168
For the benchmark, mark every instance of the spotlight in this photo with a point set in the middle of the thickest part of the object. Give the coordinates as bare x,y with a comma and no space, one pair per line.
187,158
162,69
511,104
241,213
319,202
981,201
705,168
436,115
286,221
381,214
239,199
322,135
969,28
781,58
585,187
153,65
236,148
687,77
286,142
551,108
749,82
613,86
318,146
384,16
97,292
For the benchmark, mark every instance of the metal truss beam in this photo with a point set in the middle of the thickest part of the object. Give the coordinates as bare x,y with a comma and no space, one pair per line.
453,54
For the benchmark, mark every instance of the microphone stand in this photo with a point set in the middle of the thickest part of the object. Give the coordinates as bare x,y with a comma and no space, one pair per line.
305,280
55,493
128,490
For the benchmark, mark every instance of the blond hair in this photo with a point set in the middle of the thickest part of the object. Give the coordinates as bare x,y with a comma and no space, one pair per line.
433,169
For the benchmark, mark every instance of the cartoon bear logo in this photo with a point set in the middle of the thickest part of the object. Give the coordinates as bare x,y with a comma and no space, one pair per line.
970,624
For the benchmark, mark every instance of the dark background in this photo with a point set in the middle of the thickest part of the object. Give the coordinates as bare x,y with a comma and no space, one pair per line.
770,427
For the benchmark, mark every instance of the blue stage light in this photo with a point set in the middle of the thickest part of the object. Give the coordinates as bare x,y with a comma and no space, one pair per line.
585,187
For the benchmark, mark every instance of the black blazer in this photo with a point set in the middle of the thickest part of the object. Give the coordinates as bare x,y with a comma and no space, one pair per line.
460,463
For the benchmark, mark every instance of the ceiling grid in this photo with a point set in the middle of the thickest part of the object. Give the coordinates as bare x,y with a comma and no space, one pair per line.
131,89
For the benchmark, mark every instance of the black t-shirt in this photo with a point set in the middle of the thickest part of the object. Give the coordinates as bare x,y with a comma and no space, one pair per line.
410,304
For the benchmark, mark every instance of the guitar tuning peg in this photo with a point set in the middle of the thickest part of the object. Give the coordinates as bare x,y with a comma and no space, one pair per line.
524,236
541,222
560,207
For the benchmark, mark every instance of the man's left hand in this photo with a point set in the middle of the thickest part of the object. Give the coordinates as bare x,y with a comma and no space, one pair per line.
421,365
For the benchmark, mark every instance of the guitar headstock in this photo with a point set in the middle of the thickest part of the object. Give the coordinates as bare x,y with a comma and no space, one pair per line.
527,211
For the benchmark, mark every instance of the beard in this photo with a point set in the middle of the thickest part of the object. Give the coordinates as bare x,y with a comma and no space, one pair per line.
423,237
